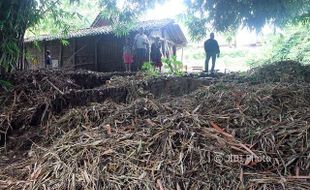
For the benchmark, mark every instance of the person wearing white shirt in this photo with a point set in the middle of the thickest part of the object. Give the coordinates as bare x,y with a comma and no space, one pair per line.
141,44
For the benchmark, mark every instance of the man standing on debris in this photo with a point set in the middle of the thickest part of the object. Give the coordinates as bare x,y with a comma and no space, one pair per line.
141,45
48,60
212,50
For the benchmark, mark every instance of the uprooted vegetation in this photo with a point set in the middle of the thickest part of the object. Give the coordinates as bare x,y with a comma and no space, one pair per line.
163,133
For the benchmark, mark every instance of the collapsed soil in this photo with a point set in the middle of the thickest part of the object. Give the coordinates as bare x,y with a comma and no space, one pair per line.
166,133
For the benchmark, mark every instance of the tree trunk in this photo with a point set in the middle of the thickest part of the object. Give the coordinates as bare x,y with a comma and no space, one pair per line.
15,15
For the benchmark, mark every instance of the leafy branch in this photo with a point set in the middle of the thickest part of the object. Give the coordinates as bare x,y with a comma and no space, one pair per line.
173,65
149,69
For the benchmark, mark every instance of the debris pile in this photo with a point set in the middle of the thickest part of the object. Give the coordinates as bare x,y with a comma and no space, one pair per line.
30,89
282,71
37,94
224,135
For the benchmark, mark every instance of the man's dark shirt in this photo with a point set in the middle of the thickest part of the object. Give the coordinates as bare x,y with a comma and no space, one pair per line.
211,47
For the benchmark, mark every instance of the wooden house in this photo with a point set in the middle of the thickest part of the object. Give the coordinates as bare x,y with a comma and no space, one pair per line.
98,48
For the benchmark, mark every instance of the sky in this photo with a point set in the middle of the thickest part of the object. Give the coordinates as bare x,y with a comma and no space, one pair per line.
168,10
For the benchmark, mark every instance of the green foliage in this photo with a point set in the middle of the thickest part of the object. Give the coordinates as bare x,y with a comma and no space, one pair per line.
124,15
15,17
149,69
173,65
303,19
12,50
28,55
222,15
122,29
125,11
6,85
36,44
54,16
230,35
295,45
64,42
234,53
197,27
237,58
292,44
193,53
65,15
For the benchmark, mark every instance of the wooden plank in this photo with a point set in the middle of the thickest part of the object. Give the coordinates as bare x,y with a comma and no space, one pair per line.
197,68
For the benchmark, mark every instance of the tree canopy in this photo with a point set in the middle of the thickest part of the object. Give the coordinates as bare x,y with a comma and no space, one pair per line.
73,16
223,15
201,16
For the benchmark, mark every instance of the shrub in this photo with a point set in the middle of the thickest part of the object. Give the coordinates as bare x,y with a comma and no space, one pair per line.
173,65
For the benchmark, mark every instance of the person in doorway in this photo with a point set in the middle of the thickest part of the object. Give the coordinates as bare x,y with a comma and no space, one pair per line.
127,55
141,45
212,50
48,59
156,53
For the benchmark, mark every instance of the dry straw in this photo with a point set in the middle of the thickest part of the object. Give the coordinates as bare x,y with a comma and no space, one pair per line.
221,136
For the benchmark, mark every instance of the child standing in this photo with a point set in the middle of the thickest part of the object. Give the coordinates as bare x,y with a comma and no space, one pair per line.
127,55
48,59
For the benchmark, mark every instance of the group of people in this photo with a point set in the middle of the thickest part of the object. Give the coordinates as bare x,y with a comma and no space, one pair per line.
138,50
140,46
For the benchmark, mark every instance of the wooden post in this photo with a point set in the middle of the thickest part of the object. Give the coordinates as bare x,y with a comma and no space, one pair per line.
182,56
174,49
74,53
61,55
96,56
44,53
163,44
22,67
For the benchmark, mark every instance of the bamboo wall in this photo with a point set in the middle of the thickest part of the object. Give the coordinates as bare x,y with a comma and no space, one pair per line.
99,53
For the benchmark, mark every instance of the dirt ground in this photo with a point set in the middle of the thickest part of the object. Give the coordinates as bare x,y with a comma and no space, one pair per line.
88,130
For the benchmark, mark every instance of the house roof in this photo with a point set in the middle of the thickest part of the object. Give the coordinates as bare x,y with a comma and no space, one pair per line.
99,21
93,31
